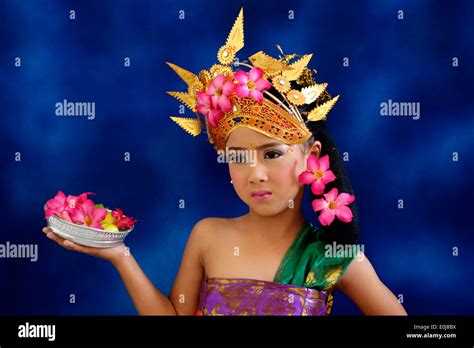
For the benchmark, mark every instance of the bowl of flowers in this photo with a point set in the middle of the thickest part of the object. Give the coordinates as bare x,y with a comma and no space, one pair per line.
79,219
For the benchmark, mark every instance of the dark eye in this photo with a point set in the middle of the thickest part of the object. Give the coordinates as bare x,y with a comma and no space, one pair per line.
272,154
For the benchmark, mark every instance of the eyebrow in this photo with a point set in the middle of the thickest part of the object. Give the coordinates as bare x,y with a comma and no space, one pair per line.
264,146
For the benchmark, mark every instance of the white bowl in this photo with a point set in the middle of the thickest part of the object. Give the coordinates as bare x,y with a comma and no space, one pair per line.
85,235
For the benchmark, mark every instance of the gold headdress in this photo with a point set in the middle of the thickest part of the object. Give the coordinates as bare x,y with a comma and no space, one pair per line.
230,100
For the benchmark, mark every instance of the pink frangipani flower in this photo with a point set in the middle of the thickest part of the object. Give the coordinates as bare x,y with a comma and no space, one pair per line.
334,204
220,89
88,215
57,206
251,84
77,201
205,107
317,174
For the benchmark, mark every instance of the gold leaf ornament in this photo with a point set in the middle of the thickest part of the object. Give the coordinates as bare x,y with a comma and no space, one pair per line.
190,125
269,65
313,92
297,68
234,42
320,112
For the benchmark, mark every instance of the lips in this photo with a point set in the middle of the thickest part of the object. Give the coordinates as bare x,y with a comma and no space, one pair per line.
261,195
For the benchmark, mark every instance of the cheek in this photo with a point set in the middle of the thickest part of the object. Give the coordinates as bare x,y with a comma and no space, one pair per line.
238,176
287,174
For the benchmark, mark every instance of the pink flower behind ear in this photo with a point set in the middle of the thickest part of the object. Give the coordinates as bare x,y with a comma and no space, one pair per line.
334,205
317,174
251,84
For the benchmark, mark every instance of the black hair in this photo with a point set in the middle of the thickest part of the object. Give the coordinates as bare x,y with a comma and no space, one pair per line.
338,231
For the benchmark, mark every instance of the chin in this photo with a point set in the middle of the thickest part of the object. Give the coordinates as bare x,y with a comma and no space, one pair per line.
267,210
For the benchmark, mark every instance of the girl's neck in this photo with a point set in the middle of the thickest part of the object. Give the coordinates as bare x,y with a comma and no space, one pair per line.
284,224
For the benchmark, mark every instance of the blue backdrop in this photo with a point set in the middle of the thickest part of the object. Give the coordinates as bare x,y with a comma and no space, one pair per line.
425,162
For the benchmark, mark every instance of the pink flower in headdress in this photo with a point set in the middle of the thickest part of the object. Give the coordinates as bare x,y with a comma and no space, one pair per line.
205,107
251,84
219,90
88,215
317,174
334,205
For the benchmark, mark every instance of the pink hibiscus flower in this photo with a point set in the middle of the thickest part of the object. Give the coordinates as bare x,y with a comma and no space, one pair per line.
334,205
220,89
121,221
251,84
86,214
317,174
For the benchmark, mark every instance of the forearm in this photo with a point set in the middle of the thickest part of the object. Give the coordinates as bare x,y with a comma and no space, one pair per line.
148,300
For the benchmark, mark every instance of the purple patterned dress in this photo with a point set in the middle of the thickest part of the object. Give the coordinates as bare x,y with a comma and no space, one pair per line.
221,296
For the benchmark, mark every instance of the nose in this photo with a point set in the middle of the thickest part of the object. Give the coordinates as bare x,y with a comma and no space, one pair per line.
258,174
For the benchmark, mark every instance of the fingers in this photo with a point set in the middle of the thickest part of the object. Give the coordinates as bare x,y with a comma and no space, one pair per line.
62,242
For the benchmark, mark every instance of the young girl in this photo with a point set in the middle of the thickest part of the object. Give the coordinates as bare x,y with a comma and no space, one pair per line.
270,261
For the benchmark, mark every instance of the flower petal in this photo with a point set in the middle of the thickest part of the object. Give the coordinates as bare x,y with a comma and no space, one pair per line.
242,91
312,163
256,95
76,215
331,195
242,77
255,74
54,204
65,216
99,214
326,217
224,103
306,177
218,81
319,204
60,197
228,88
345,199
344,213
317,187
262,85
328,177
88,208
95,224
324,163
203,109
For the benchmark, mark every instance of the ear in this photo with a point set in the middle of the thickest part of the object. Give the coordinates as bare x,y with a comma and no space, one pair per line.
315,149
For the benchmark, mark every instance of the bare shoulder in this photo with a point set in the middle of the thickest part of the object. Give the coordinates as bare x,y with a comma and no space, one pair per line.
211,230
210,234
359,271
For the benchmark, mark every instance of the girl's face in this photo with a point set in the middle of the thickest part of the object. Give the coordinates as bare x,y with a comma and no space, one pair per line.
268,184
